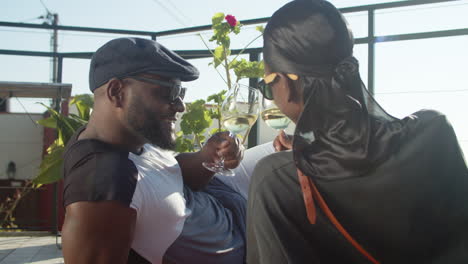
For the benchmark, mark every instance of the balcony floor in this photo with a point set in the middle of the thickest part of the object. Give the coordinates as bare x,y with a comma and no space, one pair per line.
29,249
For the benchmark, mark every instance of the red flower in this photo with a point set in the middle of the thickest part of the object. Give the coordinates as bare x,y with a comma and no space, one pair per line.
232,21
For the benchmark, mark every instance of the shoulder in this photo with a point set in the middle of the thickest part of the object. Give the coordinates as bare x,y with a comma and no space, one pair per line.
272,168
430,120
427,115
95,171
275,161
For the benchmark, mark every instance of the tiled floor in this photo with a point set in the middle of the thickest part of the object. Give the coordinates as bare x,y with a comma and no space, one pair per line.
29,250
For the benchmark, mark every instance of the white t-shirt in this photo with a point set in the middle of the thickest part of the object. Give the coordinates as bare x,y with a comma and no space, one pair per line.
159,202
159,198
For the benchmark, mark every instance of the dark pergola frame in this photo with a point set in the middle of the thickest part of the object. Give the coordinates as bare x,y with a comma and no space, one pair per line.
254,53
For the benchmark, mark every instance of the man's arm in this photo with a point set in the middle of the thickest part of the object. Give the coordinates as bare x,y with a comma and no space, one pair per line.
219,145
97,232
194,174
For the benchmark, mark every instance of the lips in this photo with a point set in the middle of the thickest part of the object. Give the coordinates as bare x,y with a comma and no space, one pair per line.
171,118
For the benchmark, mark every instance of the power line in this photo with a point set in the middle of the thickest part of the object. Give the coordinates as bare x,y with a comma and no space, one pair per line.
172,14
24,108
180,12
47,9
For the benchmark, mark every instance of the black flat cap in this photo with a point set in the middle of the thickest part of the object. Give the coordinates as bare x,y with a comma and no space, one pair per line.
129,56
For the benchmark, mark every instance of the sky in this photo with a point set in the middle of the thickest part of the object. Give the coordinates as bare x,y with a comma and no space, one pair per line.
410,75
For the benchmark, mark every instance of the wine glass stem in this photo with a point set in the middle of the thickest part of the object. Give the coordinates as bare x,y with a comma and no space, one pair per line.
221,161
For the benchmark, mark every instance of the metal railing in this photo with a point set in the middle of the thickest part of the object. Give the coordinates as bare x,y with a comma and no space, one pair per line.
254,53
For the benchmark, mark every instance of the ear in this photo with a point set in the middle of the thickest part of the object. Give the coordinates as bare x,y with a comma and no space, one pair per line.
115,92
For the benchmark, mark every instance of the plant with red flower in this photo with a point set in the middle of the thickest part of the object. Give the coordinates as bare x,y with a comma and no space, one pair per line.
197,118
222,27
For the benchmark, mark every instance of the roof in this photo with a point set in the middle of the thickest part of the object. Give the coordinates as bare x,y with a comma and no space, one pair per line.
35,90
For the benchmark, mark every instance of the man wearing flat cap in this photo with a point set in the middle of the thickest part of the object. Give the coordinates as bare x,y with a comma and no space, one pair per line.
127,198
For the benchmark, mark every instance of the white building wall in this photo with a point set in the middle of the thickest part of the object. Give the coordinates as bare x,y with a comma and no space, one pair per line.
21,141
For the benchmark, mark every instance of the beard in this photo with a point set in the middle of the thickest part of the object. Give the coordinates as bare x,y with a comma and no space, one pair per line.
145,123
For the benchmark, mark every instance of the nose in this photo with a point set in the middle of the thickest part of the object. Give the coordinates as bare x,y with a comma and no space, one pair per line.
178,105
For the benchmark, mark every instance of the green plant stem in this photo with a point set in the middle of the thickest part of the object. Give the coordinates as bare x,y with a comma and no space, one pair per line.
197,140
9,211
226,66
246,47
206,45
219,116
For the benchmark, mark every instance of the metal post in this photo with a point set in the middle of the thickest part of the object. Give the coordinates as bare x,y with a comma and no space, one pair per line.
57,102
58,106
59,69
54,42
371,52
253,135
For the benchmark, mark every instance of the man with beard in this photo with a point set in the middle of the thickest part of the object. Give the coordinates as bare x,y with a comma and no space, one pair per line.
124,194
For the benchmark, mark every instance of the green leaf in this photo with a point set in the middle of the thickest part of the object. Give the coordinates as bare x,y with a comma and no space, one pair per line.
237,28
249,69
218,98
196,119
260,28
49,122
84,103
226,42
50,169
66,126
78,120
184,145
219,56
217,18
202,138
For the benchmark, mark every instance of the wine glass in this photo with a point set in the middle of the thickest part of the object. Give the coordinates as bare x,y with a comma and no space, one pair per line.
239,112
273,116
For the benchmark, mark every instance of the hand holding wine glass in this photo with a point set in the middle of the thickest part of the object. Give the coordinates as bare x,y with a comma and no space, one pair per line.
222,144
240,111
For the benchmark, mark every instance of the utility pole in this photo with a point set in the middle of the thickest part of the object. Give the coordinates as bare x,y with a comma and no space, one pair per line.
52,20
54,45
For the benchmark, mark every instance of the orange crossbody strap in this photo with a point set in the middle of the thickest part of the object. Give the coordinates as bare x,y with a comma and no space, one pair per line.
309,192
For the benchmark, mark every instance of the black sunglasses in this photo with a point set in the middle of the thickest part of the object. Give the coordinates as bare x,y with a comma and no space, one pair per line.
264,86
176,90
